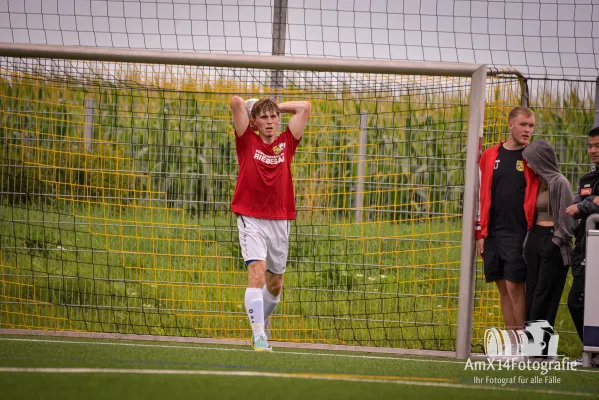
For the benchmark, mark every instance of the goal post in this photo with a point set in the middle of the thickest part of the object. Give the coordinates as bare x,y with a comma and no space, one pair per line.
467,259
117,174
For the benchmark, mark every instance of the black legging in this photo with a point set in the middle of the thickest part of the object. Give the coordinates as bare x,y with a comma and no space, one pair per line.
545,275
576,301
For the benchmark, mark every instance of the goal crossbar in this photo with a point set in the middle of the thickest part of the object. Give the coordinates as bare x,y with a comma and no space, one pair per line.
237,60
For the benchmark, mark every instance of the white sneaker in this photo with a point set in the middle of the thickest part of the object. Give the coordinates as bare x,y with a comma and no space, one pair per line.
260,343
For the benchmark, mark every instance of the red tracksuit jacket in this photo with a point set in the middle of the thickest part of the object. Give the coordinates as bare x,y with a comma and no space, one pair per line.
486,166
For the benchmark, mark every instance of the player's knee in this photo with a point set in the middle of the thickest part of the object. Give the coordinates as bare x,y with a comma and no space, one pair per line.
515,289
275,287
502,289
515,293
256,271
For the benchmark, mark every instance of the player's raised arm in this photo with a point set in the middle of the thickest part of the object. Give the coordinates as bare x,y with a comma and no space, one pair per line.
240,115
301,111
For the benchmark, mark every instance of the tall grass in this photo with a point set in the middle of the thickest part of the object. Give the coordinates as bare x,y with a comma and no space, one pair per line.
179,142
131,231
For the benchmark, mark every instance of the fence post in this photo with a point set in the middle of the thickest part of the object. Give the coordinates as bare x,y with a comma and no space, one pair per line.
596,118
359,198
88,131
279,29
524,94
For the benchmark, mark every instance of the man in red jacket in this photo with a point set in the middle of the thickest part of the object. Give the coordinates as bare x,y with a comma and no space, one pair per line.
508,194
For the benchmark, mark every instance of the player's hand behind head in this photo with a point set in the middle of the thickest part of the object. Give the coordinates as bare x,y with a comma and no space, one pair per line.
248,106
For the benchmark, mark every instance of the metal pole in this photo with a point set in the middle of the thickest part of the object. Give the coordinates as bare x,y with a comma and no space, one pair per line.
595,124
89,124
279,29
359,199
524,94
4,124
596,118
468,254
237,60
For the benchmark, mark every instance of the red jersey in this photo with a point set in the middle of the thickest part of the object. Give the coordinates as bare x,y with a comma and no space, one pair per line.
264,186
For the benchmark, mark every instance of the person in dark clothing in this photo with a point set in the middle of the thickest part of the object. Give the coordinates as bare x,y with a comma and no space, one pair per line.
585,204
508,193
548,246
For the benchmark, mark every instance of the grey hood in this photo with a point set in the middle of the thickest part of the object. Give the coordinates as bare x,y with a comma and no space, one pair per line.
541,157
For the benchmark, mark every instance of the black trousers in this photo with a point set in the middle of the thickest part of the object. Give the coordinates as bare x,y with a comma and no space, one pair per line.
576,299
545,275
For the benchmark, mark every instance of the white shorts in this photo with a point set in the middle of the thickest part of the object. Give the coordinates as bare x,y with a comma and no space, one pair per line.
264,240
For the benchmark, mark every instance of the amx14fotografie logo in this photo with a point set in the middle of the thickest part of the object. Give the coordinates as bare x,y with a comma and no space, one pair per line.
533,348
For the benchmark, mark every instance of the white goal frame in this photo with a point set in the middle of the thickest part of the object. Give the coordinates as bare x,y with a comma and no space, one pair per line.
476,72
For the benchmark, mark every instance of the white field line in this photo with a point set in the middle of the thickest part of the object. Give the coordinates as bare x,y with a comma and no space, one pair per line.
277,351
328,377
236,349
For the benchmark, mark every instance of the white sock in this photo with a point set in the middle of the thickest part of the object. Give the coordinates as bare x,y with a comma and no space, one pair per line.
254,306
270,301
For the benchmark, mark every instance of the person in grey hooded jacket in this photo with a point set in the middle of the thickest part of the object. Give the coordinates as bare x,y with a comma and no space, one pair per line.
548,247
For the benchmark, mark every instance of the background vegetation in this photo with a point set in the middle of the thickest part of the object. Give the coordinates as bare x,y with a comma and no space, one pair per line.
118,219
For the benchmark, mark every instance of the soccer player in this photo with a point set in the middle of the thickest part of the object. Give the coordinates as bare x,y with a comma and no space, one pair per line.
508,194
264,201
548,246
586,203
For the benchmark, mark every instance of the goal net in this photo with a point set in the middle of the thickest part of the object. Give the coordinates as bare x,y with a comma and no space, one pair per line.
116,181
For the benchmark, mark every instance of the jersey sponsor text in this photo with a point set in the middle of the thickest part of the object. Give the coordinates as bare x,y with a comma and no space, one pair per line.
259,155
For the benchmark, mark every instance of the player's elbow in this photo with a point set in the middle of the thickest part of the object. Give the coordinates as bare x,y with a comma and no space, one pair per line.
237,102
306,108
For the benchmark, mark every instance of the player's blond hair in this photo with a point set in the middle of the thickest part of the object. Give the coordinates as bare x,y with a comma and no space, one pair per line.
514,112
264,105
